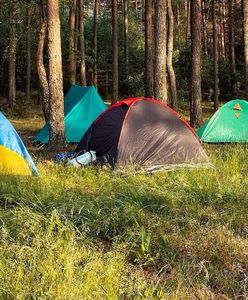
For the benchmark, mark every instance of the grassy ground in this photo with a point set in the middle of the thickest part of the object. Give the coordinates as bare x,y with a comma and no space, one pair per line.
99,234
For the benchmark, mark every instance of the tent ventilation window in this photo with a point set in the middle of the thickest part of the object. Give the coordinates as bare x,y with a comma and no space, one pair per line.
237,107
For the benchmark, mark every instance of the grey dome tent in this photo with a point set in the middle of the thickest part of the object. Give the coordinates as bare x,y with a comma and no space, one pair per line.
143,132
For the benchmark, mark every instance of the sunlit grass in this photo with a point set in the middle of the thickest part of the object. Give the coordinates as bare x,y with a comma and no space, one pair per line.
94,233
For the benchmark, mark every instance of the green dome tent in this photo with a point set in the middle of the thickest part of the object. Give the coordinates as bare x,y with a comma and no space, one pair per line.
82,106
228,125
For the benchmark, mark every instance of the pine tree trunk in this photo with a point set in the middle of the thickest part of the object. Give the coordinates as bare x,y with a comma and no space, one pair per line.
72,59
232,48
94,46
28,49
219,37
216,56
179,21
245,24
76,37
107,84
149,49
12,54
222,29
1,59
160,80
204,28
82,45
188,22
115,68
126,29
171,73
56,99
43,83
195,92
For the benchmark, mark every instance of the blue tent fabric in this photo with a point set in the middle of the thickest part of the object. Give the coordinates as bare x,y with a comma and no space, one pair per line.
10,139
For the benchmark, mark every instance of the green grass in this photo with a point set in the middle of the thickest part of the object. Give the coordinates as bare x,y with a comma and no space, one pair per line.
99,234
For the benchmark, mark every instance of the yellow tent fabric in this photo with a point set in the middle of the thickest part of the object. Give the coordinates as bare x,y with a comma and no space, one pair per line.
12,163
14,157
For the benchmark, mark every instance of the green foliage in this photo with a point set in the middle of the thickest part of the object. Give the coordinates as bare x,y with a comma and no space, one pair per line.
131,78
143,253
182,69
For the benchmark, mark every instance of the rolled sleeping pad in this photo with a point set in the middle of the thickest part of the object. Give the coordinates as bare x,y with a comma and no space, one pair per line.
83,159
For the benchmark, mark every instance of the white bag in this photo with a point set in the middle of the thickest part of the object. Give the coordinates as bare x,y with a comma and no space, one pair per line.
83,159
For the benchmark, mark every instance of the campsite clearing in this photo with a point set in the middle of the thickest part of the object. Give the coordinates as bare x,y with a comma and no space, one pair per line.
97,234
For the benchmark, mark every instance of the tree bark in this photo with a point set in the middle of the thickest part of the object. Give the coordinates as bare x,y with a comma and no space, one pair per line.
179,21
216,56
195,92
232,48
72,58
76,37
245,24
222,29
43,83
81,42
224,7
149,49
126,28
188,22
56,99
107,83
1,59
94,44
12,54
115,68
171,73
204,28
160,83
28,50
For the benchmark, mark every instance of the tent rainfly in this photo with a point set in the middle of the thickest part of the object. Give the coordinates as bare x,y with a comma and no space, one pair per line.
144,132
228,125
82,106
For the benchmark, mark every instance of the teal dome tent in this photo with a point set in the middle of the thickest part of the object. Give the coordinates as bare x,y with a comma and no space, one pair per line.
82,106
228,125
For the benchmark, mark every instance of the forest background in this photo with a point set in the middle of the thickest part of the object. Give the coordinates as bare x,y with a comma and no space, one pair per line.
21,21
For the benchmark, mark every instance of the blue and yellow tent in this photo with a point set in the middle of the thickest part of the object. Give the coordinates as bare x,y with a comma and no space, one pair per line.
14,157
